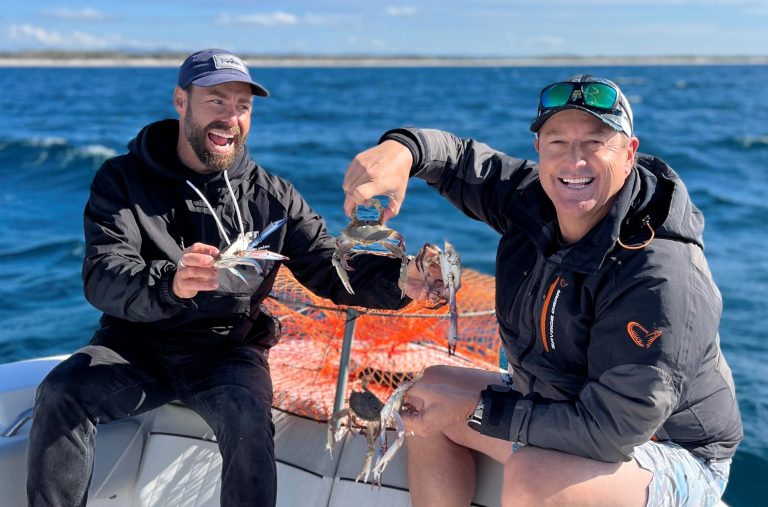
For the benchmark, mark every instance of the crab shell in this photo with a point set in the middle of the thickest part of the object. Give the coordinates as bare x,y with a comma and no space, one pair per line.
365,405
369,239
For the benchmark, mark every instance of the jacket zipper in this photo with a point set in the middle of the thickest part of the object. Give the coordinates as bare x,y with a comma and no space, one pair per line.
531,294
541,321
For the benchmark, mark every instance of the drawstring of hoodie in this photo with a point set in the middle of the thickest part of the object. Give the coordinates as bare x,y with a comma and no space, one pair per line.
639,246
218,222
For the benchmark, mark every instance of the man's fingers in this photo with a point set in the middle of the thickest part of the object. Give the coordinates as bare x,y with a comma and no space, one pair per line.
362,193
190,280
394,207
355,174
200,260
381,170
197,273
349,205
202,248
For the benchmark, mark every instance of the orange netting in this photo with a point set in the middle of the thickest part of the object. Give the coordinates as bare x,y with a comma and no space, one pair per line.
388,346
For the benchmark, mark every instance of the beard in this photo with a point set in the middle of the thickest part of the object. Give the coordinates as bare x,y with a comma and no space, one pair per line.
197,135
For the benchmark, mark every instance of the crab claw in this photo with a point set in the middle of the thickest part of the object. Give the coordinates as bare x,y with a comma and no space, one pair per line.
237,274
339,262
383,460
337,429
398,252
450,266
266,232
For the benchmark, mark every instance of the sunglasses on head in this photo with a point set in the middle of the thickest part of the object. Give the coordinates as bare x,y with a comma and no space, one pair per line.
595,95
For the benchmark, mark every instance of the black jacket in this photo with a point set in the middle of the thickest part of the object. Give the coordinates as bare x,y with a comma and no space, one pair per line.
609,346
141,215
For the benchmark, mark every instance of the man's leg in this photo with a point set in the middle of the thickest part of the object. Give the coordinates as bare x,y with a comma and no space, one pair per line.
441,469
441,466
96,384
540,477
232,390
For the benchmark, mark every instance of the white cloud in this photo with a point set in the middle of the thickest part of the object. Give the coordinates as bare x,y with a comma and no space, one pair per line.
85,14
73,40
269,19
29,33
402,11
284,19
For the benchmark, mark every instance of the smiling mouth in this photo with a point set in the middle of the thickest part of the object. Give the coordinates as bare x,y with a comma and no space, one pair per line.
576,182
221,139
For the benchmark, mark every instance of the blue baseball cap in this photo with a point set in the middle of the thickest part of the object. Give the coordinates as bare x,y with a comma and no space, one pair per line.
210,67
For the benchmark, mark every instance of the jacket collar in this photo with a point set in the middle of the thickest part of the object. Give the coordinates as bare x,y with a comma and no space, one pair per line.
588,254
155,145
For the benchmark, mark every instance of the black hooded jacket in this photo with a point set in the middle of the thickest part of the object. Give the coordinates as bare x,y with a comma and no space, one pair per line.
141,214
609,346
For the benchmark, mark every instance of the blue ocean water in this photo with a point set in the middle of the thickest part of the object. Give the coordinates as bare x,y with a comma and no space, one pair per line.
58,125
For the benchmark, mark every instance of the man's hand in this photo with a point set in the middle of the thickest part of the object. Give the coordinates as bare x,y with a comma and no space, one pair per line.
428,408
195,271
381,170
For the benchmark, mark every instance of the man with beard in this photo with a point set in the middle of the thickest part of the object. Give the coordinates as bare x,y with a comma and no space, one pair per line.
174,327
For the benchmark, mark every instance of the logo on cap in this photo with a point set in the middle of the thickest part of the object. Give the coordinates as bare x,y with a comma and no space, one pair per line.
229,62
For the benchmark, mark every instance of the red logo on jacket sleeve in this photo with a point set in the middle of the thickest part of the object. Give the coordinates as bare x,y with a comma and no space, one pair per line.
641,336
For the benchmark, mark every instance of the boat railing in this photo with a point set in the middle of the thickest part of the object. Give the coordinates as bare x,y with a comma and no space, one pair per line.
23,418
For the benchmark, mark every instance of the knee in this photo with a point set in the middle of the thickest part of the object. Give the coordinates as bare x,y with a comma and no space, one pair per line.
245,415
57,388
249,437
438,374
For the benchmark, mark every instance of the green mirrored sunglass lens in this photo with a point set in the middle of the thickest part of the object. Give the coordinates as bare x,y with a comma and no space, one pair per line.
599,95
556,95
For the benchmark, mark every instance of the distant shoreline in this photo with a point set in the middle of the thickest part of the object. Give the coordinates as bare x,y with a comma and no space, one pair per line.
174,60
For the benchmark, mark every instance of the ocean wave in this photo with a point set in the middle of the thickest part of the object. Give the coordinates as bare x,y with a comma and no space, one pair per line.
41,142
749,142
50,251
724,200
98,151
50,162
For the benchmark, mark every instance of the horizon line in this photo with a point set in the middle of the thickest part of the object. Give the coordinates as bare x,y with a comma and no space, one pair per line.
53,58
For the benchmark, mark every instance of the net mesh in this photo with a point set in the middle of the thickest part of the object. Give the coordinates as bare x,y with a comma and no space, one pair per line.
388,346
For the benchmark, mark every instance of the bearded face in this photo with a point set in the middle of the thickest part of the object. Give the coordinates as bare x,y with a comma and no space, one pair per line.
216,144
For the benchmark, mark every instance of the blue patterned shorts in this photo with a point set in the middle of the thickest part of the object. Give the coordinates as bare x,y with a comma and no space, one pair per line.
680,479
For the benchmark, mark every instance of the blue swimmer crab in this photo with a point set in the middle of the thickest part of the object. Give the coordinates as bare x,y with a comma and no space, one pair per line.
450,269
367,234
367,410
243,251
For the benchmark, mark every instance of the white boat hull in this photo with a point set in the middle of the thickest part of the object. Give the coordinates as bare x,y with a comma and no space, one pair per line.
169,457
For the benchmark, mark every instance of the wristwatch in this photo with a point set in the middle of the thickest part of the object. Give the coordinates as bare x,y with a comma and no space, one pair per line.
475,419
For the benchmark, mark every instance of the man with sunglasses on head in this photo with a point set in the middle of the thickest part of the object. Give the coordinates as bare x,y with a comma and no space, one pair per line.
618,392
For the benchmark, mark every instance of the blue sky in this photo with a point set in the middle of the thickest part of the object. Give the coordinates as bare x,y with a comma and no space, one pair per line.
511,28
